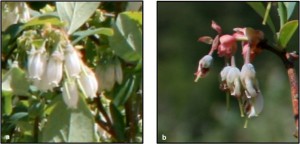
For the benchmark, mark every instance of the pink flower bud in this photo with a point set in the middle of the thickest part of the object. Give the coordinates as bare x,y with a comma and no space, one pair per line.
227,46
203,67
216,27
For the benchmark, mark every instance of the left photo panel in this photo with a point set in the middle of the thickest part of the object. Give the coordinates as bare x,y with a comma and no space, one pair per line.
72,72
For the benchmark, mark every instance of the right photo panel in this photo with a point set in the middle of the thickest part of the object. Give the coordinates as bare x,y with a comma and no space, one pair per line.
227,72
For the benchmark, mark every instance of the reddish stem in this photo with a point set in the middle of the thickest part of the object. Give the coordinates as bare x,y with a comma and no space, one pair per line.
289,65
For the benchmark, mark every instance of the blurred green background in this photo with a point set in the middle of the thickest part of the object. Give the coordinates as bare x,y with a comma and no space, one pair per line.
196,112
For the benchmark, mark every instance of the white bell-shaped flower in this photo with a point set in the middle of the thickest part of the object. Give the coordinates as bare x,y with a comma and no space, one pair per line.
72,61
249,81
36,63
89,82
70,94
54,68
233,81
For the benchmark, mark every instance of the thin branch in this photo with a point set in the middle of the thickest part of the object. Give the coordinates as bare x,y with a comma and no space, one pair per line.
108,121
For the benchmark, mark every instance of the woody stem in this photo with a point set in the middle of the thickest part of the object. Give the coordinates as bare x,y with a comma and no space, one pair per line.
291,72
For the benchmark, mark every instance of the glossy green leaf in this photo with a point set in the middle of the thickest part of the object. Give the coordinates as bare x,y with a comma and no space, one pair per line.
44,19
125,92
286,32
290,6
67,125
16,117
82,34
118,122
10,35
75,13
127,38
282,11
259,8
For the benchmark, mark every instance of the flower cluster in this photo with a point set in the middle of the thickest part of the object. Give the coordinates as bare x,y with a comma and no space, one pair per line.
48,68
241,84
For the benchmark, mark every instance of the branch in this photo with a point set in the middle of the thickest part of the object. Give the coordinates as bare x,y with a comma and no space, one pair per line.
289,65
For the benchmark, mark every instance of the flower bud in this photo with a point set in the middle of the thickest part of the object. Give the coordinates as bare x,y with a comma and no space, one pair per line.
249,81
72,61
89,82
105,72
70,94
203,67
233,81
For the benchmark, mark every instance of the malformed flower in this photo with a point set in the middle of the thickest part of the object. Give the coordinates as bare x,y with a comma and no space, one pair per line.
255,106
203,67
233,81
70,94
249,81
54,68
89,82
72,61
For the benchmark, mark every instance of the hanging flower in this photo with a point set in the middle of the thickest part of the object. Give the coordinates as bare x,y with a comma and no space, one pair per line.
70,94
89,82
36,62
249,81
54,69
72,61
203,67
255,106
223,75
233,81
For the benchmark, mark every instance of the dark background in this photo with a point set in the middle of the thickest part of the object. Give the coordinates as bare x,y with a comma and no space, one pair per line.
196,112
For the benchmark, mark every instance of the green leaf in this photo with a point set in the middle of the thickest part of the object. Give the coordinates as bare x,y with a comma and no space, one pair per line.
282,13
75,13
7,96
67,125
290,6
15,118
127,38
82,34
15,81
125,92
19,82
10,35
118,122
44,19
286,32
259,8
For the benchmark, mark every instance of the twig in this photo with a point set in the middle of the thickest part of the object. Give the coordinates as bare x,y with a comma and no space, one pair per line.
36,129
109,126
289,65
